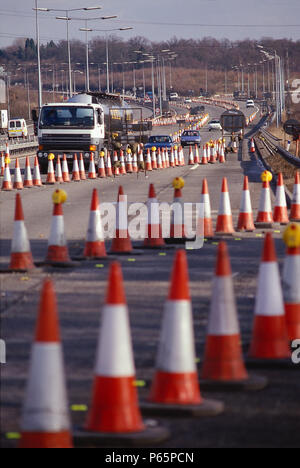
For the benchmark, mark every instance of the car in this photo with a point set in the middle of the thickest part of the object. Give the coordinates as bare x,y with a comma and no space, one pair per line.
191,138
174,96
160,141
214,125
17,128
250,103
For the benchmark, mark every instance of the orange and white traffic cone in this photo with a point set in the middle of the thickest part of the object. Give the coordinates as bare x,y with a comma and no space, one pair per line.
2,164
92,170
154,239
176,156
291,275
122,162
177,234
117,164
172,158
129,168
213,155
81,168
51,174
75,171
281,212
295,209
148,161
197,155
45,420
7,183
18,182
58,171
21,256
191,157
95,244
224,221
135,164
37,180
109,172
270,336
265,215
159,160
204,160
153,159
205,218
222,159
246,221
101,169
181,157
175,387
65,170
57,245
252,146
27,175
223,364
114,411
121,243
141,162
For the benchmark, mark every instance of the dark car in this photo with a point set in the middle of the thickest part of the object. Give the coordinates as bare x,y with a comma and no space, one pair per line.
160,141
191,138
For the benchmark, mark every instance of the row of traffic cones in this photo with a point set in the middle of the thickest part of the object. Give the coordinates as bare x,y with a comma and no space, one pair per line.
115,413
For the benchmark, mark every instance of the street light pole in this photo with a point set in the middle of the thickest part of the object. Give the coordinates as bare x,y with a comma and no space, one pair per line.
40,96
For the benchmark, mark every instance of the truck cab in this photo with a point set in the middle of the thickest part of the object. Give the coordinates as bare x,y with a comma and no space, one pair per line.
70,128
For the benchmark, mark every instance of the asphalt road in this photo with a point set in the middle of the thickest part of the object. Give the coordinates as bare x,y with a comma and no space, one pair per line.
265,419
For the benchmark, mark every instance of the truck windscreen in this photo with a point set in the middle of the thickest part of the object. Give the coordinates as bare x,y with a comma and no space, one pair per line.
67,117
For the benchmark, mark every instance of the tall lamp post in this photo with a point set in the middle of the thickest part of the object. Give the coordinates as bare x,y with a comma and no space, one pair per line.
106,31
68,19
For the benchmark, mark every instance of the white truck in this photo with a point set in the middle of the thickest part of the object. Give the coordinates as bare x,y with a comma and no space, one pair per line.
74,127
3,121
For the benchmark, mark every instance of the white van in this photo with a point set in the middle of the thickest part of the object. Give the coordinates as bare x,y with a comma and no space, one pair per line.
174,96
250,103
17,128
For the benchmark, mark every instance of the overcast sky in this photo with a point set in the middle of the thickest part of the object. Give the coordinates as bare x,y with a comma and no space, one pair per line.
232,19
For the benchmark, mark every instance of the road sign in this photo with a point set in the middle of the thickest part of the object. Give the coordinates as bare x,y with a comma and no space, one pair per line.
233,121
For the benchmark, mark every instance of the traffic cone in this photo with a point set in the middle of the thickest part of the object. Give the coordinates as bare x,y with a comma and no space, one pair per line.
204,160
95,245
154,161
197,155
295,209
109,172
75,172
81,168
135,164
163,158
181,158
159,160
101,169
37,180
265,215
119,166
92,169
280,212
122,162
27,174
206,220
252,146
65,170
172,158
177,234
270,337
7,184
246,222
21,257
191,157
129,168
141,162
176,156
114,416
291,275
2,164
121,243
175,386
148,161
50,175
223,364
57,245
18,182
222,159
154,239
213,158
58,171
45,420
224,221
